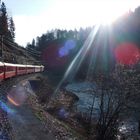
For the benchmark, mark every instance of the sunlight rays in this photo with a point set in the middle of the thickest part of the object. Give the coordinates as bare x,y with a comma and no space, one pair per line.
105,51
93,58
75,64
100,52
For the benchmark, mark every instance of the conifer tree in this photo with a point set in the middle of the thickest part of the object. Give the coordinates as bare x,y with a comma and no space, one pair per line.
3,20
12,28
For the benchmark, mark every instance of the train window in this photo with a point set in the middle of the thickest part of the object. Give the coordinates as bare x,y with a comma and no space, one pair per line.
10,68
30,68
21,68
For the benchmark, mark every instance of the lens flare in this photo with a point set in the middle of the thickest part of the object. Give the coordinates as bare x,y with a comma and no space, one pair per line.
17,95
63,113
12,101
127,53
4,107
69,45
52,57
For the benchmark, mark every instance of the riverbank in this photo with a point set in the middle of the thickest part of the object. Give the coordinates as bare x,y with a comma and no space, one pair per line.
61,130
55,113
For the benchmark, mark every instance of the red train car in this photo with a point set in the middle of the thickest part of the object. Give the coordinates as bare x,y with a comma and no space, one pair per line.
21,69
1,71
9,70
37,68
41,68
30,69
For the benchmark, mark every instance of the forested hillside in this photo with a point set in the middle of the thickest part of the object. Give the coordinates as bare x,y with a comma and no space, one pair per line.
10,51
59,47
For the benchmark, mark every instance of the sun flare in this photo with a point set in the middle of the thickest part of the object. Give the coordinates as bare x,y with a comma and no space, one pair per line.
71,14
103,12
91,12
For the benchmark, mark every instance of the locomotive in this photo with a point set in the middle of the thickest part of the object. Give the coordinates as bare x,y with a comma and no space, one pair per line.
8,70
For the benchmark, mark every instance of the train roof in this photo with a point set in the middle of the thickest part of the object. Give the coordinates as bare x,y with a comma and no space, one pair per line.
20,65
37,66
9,64
30,65
1,64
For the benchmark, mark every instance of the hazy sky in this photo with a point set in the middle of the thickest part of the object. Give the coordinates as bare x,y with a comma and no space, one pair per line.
34,17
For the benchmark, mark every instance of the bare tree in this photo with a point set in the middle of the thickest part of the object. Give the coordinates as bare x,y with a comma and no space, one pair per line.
118,94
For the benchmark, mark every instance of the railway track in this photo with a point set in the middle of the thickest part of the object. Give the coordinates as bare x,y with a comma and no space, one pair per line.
5,127
6,131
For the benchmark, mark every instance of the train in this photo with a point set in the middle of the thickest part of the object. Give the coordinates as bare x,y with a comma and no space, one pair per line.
9,70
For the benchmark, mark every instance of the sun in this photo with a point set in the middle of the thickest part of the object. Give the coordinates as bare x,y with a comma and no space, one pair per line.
108,15
106,12
90,12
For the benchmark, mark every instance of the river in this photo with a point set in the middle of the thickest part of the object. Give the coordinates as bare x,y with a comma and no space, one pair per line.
84,91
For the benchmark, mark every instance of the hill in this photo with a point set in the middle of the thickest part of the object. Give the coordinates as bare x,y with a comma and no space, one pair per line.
11,52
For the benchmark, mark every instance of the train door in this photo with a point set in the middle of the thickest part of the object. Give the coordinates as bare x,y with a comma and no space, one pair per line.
1,71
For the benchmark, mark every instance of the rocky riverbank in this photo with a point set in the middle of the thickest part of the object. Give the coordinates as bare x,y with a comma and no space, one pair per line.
57,113
65,99
61,130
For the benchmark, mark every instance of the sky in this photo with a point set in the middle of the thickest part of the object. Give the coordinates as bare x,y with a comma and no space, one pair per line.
34,17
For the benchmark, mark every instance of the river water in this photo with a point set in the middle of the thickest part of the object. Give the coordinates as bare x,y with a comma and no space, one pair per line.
84,91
